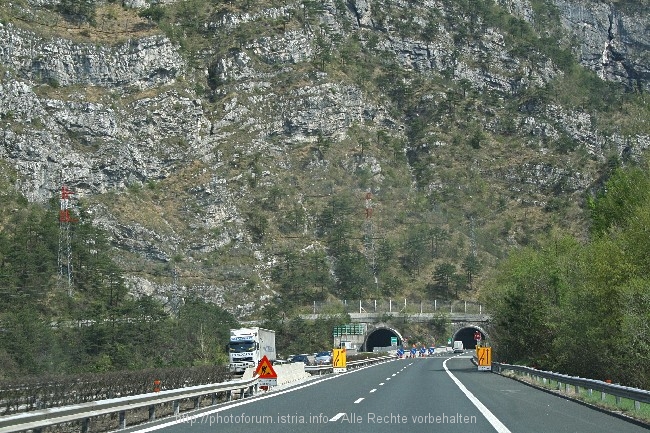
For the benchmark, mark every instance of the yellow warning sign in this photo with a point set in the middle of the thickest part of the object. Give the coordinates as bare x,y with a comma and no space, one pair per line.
484,356
339,360
266,373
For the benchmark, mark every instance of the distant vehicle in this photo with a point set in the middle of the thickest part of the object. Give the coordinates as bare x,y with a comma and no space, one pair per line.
248,346
323,358
280,362
458,346
300,358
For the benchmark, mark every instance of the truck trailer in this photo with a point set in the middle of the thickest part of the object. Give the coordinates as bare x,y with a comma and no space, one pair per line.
248,346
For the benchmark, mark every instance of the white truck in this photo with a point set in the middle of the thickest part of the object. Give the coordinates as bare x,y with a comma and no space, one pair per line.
458,346
248,346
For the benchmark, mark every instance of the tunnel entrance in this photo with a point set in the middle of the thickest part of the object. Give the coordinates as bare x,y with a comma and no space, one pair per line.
380,337
466,335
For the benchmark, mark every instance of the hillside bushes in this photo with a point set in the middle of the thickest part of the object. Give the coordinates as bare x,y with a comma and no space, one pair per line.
583,308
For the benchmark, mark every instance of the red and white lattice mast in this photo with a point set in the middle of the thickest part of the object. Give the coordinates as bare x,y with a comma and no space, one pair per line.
65,247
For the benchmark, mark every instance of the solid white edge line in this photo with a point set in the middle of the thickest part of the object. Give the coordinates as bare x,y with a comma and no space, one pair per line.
498,425
182,419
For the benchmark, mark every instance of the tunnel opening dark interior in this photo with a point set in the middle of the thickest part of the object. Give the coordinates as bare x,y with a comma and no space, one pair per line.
466,335
380,338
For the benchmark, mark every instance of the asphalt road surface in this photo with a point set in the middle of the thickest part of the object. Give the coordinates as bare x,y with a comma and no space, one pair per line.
439,394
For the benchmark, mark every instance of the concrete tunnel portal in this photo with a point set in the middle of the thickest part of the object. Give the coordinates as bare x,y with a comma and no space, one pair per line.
466,335
381,337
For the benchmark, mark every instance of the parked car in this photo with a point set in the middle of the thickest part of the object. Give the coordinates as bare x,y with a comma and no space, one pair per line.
300,358
322,358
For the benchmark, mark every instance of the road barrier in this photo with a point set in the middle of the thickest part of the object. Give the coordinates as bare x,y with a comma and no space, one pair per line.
36,420
246,386
328,368
564,381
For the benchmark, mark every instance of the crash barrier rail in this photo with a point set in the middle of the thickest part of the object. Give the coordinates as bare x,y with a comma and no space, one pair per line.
564,381
328,368
394,306
36,420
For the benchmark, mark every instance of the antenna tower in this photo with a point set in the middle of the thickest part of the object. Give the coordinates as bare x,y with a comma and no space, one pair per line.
369,239
65,247
472,235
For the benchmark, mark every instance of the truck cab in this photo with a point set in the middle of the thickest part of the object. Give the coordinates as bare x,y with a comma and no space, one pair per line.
247,347
242,353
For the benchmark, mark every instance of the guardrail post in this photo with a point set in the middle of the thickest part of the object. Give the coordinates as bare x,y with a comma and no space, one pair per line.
197,402
229,395
603,396
590,392
637,405
152,412
177,407
84,425
214,399
121,420
618,400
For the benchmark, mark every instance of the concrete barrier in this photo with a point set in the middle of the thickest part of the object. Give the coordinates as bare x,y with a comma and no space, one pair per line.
289,373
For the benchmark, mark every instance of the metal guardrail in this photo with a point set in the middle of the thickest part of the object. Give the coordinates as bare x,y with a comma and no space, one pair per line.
394,306
619,391
328,368
36,420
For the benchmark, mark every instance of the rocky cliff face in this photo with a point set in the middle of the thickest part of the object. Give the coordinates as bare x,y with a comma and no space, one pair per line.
197,133
612,41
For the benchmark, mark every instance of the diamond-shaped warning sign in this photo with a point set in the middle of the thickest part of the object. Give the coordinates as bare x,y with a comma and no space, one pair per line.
265,369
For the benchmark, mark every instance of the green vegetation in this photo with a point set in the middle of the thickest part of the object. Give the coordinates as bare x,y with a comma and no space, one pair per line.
594,398
297,336
554,304
49,327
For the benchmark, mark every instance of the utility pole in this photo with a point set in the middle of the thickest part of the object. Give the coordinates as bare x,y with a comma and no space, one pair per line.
472,235
369,239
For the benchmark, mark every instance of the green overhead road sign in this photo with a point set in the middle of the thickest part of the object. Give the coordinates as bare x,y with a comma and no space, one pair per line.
351,329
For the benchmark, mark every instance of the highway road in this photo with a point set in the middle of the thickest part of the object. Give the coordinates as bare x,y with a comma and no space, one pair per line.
439,394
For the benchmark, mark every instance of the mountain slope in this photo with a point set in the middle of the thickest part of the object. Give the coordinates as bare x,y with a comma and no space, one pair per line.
305,150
